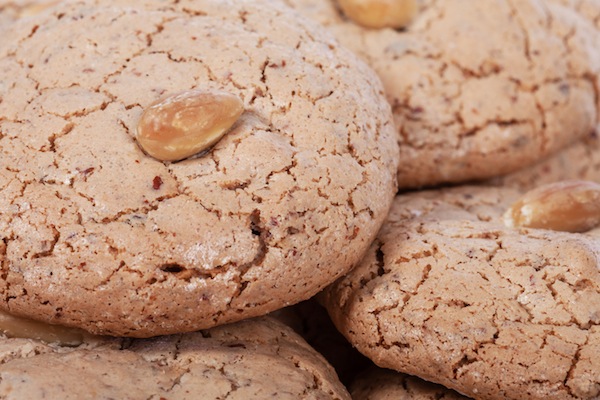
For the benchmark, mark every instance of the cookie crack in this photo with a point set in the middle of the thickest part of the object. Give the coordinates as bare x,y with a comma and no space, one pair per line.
149,39
262,234
526,40
86,111
234,385
211,75
471,356
570,375
55,136
183,273
5,267
377,268
398,344
133,212
48,245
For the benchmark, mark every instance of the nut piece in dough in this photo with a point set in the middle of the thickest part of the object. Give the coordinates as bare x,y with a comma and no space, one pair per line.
186,123
569,206
380,13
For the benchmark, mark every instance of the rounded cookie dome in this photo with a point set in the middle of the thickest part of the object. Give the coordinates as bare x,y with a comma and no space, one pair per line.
96,234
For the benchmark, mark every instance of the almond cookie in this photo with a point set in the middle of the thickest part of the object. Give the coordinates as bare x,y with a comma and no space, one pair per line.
252,359
479,89
385,384
95,233
449,293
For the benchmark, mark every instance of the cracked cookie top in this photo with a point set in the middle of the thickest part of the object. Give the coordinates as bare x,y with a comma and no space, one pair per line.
254,359
96,234
447,292
479,89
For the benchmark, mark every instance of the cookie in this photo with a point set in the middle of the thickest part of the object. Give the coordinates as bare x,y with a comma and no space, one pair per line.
579,161
252,359
448,293
479,90
98,235
384,384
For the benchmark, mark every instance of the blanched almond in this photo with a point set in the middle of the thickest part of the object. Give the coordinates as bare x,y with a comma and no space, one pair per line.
380,13
187,123
570,206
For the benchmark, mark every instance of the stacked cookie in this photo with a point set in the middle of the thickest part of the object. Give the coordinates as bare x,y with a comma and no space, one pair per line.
172,171
256,358
479,90
99,233
213,237
451,290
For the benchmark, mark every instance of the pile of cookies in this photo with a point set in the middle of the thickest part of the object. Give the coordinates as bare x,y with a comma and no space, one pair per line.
178,178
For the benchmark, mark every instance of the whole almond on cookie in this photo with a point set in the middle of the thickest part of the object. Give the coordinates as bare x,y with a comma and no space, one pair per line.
187,123
570,206
380,13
